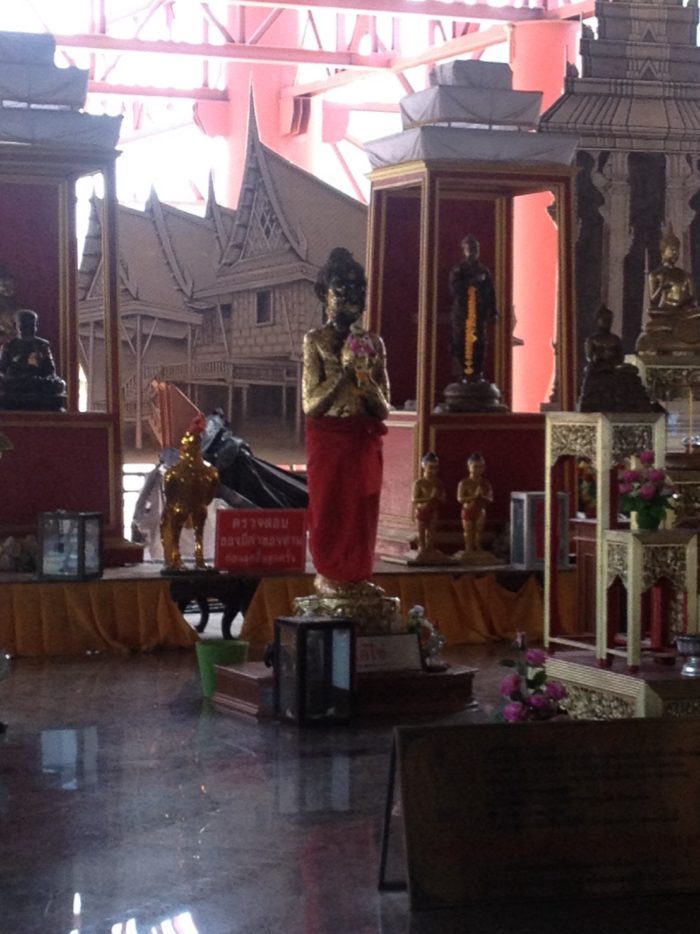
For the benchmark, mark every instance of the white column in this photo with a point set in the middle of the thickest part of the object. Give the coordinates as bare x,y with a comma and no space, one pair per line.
682,183
613,184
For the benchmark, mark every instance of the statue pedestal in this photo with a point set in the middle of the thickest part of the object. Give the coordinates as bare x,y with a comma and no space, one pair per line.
670,376
373,614
472,396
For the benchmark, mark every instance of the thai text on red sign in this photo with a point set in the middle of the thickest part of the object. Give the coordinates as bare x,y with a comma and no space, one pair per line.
260,540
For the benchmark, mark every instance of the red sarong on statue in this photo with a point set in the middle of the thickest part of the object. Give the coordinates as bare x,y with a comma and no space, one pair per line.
344,470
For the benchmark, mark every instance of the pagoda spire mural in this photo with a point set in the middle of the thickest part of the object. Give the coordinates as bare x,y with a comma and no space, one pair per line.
636,111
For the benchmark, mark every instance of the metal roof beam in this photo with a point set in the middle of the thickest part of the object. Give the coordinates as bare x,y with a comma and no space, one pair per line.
451,9
434,9
133,90
272,55
472,42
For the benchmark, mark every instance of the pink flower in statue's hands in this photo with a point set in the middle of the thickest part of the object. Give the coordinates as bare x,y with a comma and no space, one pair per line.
630,476
625,488
535,657
657,476
646,458
538,701
515,712
647,491
511,684
555,690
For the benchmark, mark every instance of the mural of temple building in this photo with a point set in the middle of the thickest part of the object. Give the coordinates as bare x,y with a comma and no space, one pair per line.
219,304
636,111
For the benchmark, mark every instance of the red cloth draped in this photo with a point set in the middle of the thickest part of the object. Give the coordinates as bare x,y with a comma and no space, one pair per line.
344,469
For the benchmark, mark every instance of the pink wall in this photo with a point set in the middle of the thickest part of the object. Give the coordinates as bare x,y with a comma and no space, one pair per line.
539,53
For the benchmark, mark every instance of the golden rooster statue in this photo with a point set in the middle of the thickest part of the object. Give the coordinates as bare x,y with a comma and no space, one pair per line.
188,488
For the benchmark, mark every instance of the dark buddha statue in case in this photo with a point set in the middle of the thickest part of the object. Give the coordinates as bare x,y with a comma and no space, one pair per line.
609,384
28,379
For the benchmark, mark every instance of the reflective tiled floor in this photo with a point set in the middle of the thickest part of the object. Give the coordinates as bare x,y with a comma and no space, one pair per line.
128,804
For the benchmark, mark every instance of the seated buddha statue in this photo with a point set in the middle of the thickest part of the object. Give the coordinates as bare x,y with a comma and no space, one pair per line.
673,326
609,384
28,379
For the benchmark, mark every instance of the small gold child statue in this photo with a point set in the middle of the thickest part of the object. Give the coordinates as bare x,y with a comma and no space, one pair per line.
188,488
427,495
475,493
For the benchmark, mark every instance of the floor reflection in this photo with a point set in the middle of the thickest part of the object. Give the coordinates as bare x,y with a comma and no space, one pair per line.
119,783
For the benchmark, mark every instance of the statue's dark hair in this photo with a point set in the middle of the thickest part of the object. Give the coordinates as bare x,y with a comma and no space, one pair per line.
341,264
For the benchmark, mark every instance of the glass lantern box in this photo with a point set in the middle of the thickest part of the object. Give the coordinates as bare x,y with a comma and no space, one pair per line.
70,545
528,527
314,668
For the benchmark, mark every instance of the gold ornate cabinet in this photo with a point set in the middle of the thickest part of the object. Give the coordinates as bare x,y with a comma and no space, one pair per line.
605,440
640,560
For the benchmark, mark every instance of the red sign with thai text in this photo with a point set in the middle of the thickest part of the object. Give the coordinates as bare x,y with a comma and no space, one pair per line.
260,540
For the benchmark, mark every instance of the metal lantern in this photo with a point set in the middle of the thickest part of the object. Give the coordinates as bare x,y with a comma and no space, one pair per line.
70,545
314,661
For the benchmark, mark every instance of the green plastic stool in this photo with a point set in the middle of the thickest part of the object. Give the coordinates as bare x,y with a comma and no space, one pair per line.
212,652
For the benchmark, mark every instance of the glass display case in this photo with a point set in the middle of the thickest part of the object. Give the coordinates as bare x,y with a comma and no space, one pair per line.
70,545
314,662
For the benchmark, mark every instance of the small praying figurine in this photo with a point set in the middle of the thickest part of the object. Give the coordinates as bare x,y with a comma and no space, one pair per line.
427,495
474,493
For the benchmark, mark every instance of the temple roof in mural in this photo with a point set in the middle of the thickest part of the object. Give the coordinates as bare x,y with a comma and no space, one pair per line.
286,223
174,264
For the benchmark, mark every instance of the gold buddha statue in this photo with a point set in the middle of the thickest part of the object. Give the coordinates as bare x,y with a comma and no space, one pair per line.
345,397
673,327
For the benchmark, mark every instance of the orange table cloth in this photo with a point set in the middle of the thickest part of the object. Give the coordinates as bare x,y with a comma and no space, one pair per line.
59,618
468,608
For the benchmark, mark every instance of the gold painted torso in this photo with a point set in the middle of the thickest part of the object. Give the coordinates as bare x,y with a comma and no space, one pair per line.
327,389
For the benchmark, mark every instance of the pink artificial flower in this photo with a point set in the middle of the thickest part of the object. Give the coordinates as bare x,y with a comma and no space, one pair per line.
535,657
647,491
646,457
538,701
631,476
625,488
511,684
656,475
515,712
555,690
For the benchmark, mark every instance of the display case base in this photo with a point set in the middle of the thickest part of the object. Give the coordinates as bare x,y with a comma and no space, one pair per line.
248,689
